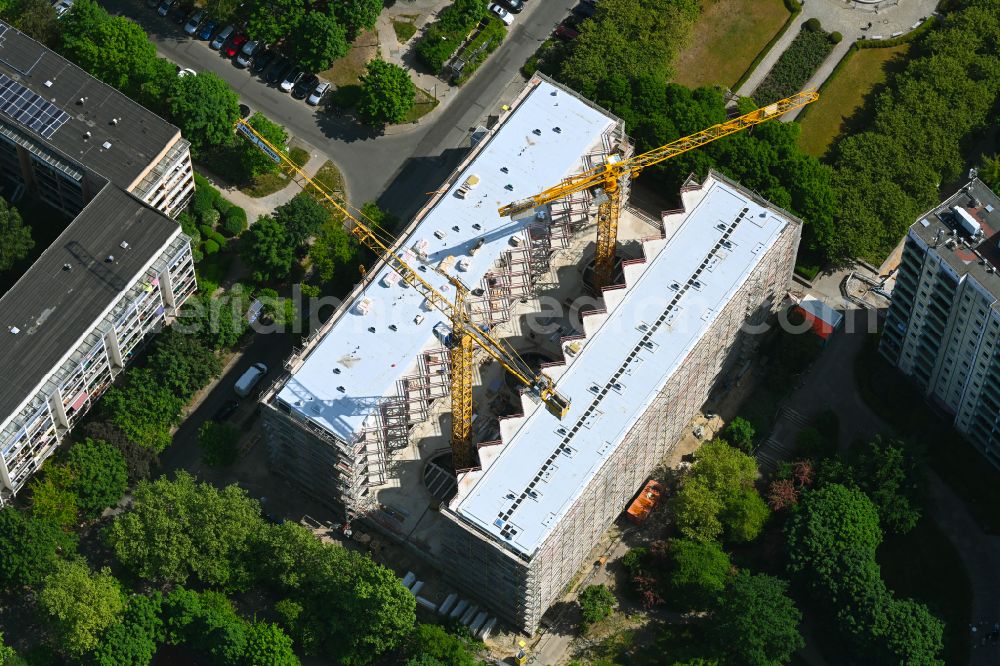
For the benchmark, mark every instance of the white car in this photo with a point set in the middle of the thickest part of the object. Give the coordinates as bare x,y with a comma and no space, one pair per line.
185,71
62,7
317,95
247,53
502,14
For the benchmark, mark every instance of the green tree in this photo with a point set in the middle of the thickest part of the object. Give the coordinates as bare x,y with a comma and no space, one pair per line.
52,496
754,622
255,161
596,603
911,634
740,433
134,640
8,655
35,18
178,530
81,605
333,248
892,477
143,409
268,645
338,603
15,237
989,170
387,94
318,41
698,572
432,641
301,218
99,477
223,10
219,443
183,363
154,90
219,322
828,526
138,459
719,495
358,15
205,108
268,251
114,49
618,39
30,548
271,21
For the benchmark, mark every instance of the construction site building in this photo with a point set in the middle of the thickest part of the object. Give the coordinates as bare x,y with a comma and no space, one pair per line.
361,418
943,324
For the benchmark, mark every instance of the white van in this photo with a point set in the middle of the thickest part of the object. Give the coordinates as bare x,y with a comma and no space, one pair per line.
249,379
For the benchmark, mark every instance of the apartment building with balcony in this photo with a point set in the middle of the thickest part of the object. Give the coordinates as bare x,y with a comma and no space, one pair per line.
943,323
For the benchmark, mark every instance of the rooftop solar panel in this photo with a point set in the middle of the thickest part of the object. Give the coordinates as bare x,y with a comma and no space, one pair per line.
29,109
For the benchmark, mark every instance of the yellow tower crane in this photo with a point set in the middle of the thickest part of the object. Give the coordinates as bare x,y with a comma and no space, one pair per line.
608,177
466,334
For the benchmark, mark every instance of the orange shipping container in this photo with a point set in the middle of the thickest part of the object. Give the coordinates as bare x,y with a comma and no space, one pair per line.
643,505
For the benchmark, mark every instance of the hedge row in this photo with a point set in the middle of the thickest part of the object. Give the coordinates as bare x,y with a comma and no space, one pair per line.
799,61
443,37
492,35
793,6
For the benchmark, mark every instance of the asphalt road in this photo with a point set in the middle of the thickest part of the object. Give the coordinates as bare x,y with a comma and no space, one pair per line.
398,169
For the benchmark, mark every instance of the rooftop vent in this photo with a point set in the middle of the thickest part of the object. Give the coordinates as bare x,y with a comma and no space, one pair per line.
371,329
115,121
477,226
504,170
86,135
536,132
14,330
336,371
81,101
508,187
342,389
123,245
393,327
110,259
48,84
67,267
106,145
557,130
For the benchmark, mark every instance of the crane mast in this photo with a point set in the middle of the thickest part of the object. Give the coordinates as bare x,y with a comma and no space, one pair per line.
466,334
609,176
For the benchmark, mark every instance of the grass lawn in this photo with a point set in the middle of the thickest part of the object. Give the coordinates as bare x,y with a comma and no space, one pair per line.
299,156
347,71
923,565
330,179
726,38
423,104
404,30
266,184
843,96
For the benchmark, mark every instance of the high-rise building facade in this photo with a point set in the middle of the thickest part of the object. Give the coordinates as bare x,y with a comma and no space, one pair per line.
943,324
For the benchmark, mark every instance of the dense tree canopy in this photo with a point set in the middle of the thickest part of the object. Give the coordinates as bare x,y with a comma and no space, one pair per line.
301,218
218,443
358,15
270,21
740,433
318,41
30,548
15,237
217,321
143,409
182,362
387,93
81,605
35,18
754,622
205,107
434,642
699,570
135,639
267,250
255,161
180,530
888,472
596,603
338,603
333,248
98,475
617,41
718,496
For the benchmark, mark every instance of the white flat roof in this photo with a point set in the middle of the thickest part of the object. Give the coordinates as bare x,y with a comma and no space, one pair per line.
371,362
546,464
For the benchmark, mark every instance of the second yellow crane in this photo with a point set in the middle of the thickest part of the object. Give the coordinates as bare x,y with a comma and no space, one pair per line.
609,176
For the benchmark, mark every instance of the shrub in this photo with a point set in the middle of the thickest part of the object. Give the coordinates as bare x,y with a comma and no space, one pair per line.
235,221
205,230
596,603
210,217
205,196
218,238
836,37
209,247
442,38
812,25
223,205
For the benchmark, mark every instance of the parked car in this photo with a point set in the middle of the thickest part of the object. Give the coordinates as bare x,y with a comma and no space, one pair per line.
235,44
514,6
164,7
185,71
279,70
262,60
221,38
62,7
317,94
502,14
291,78
207,28
249,379
180,15
305,86
585,9
566,31
152,4
248,52
227,410
191,26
